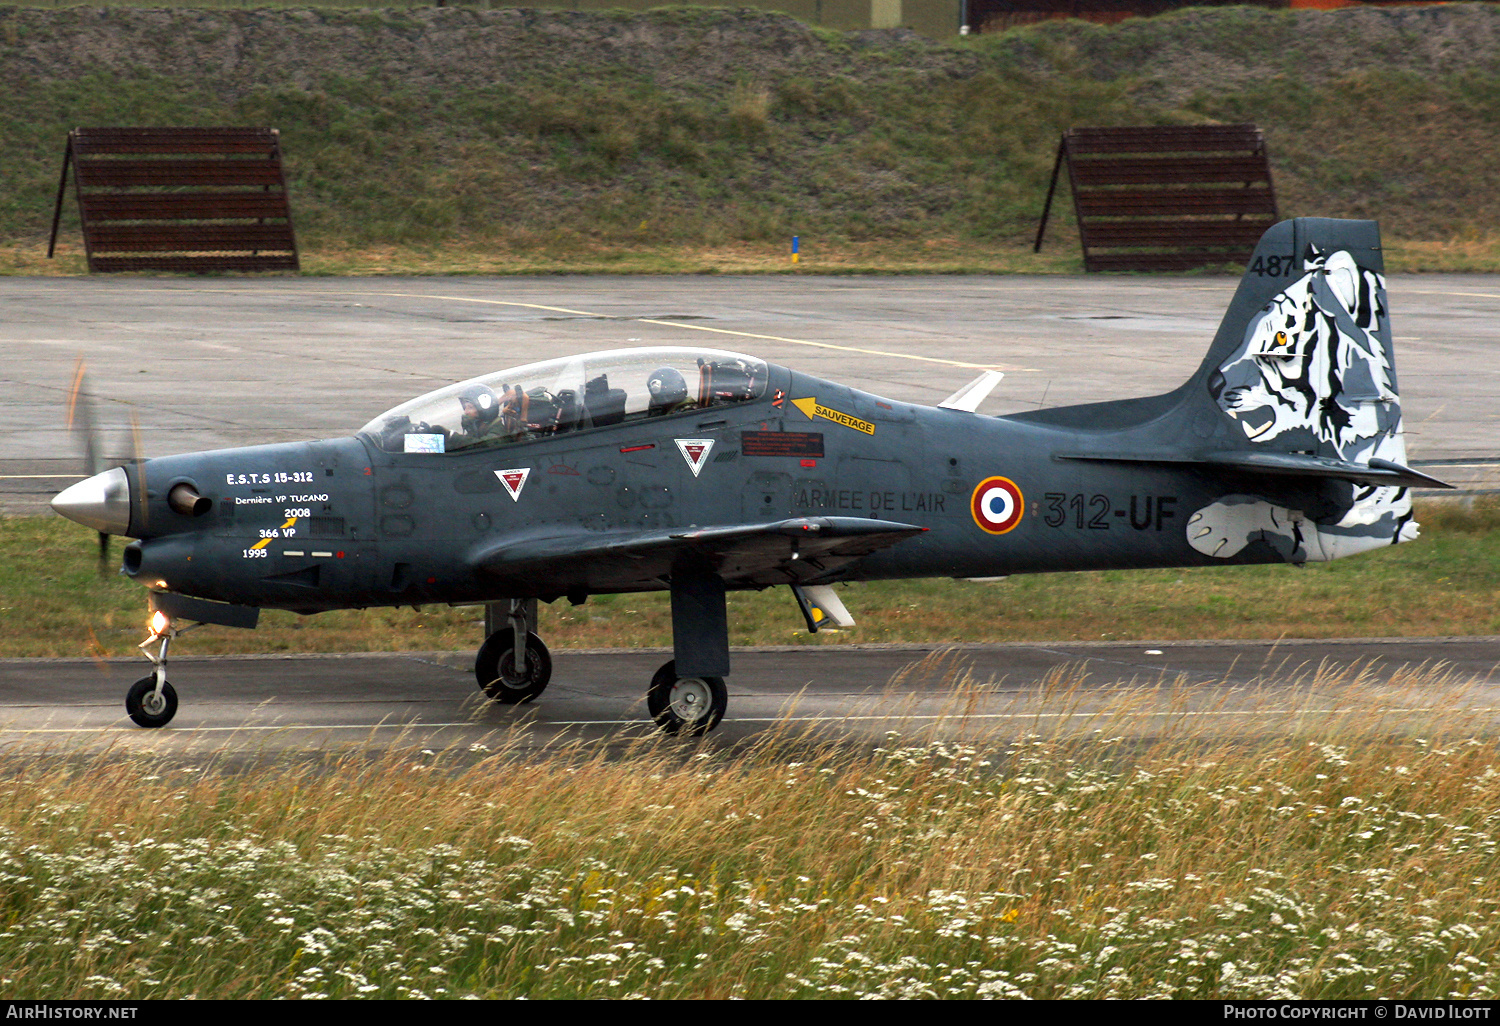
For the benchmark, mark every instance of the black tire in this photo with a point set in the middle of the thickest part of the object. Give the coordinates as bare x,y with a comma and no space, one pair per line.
495,668
686,705
143,706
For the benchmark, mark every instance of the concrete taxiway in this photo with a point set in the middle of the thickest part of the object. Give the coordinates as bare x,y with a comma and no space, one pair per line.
207,363
287,704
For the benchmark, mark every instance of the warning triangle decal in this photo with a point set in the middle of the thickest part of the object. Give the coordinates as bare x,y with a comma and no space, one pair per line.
514,481
695,451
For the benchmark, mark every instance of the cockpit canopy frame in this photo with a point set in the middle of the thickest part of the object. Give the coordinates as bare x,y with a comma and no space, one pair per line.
570,394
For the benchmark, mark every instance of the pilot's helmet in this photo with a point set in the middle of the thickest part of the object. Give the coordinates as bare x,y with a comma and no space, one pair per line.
485,406
667,387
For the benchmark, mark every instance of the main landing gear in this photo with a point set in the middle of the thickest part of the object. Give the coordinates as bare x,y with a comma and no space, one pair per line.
686,705
506,672
687,694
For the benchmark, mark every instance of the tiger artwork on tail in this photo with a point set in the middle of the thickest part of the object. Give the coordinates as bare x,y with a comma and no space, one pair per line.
1314,374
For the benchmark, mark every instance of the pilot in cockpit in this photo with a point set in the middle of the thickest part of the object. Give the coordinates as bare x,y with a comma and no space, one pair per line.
480,410
669,392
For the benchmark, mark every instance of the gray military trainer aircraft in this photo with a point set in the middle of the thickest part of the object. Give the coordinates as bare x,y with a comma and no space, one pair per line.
698,472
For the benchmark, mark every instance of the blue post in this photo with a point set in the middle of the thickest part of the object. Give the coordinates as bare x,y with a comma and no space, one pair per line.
794,248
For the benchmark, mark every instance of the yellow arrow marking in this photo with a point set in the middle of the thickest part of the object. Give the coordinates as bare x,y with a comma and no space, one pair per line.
266,541
810,407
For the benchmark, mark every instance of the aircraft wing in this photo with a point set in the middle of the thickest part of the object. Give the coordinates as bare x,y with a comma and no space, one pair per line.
777,552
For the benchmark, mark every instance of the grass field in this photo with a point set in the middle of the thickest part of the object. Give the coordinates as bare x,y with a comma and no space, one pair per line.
1331,856
57,604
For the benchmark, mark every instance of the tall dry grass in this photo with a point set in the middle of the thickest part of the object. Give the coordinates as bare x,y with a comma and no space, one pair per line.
1151,840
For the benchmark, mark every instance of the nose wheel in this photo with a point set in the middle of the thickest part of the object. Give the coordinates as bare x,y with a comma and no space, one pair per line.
151,701
148,706
686,705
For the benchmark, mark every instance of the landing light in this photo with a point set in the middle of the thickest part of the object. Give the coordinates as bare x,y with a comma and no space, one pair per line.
161,624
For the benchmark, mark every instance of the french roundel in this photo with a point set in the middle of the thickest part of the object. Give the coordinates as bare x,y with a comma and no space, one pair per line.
997,505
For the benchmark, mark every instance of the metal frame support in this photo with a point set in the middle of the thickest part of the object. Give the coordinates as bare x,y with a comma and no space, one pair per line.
225,207
700,625
502,614
517,614
1165,197
62,189
1062,149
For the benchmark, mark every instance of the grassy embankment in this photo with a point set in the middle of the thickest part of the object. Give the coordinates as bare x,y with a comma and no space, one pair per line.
896,157
1323,857
1446,583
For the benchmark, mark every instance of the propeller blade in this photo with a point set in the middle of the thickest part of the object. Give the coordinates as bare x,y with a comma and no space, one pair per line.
82,422
140,470
83,425
74,390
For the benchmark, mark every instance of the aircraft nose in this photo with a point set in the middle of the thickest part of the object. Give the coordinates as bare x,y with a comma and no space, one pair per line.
101,502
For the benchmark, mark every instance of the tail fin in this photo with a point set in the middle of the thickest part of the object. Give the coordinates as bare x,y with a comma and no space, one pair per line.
1303,372
1296,402
1303,360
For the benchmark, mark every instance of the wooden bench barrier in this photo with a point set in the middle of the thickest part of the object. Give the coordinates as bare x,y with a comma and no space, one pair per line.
1166,199
179,199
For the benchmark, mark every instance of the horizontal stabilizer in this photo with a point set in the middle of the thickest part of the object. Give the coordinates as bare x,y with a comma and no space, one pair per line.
1293,464
1376,472
975,392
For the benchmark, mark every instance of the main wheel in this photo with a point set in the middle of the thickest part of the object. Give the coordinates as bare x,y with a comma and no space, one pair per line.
495,668
686,705
146,707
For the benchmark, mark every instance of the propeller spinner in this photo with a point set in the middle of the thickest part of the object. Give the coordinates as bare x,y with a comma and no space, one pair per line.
102,500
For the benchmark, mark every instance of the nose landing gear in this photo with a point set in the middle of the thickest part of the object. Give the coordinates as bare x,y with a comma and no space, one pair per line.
509,676
152,701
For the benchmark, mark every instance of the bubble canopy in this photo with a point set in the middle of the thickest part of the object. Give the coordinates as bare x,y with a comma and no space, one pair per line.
575,393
